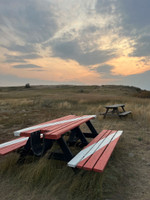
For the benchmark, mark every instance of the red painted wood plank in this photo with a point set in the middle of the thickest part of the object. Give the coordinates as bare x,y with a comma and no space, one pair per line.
69,117
70,121
52,129
62,128
6,149
85,151
98,137
56,134
57,127
100,165
43,130
89,161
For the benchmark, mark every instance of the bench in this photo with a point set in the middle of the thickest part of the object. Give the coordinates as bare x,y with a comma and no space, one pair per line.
96,154
124,113
12,145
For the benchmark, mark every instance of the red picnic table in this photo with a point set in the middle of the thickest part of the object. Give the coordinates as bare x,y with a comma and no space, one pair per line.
41,137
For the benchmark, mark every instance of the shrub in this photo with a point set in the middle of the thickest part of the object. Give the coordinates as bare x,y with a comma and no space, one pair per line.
27,85
48,103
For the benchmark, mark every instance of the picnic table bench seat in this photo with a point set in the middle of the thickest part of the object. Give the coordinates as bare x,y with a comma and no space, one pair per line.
125,113
12,145
97,153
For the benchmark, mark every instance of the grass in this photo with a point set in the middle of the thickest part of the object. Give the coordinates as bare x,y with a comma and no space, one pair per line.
143,94
127,169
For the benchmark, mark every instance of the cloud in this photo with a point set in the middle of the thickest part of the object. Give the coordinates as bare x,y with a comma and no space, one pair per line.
14,59
26,66
131,19
20,58
24,25
31,21
13,80
72,50
142,47
104,69
125,66
138,80
56,69
106,72
106,7
135,17
20,48
135,13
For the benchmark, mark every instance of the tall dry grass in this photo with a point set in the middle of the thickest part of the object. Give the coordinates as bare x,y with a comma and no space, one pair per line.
50,179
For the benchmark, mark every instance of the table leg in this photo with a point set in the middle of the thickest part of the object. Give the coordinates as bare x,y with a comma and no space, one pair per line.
66,154
39,145
115,110
93,133
73,138
81,136
123,108
106,112
24,152
76,134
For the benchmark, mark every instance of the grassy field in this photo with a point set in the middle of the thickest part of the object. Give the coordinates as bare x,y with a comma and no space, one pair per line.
126,176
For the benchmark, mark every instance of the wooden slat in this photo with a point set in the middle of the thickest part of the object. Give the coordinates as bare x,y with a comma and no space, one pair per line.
56,134
52,127
12,145
115,106
54,131
124,113
47,128
97,153
37,127
81,154
91,158
100,165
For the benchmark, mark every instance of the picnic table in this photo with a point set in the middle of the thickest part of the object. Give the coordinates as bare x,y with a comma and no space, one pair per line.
116,109
41,137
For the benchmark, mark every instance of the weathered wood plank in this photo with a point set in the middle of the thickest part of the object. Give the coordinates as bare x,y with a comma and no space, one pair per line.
97,153
101,163
125,113
86,149
12,145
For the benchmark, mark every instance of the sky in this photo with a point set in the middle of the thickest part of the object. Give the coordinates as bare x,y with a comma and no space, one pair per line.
81,42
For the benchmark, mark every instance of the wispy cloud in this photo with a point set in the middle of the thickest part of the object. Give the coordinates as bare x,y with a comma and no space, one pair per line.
27,66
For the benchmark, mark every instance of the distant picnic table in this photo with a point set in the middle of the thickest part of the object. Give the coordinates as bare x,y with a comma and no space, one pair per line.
116,109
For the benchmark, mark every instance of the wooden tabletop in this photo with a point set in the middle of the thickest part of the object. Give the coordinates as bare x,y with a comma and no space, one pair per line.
115,106
55,128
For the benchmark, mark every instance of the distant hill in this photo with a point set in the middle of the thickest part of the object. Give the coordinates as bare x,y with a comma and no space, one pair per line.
103,89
